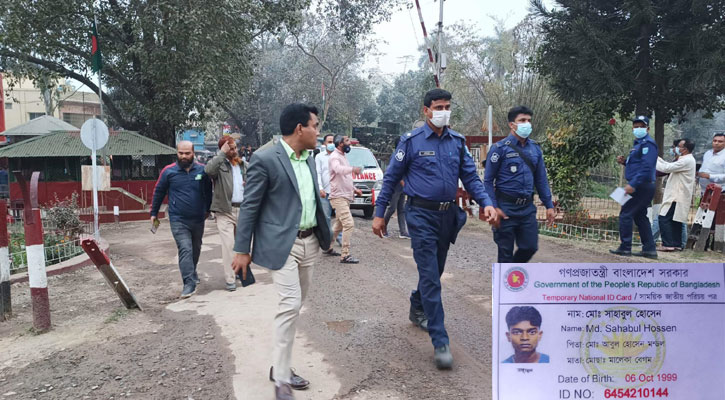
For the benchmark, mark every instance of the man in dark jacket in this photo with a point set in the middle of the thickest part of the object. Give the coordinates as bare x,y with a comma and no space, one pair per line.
189,190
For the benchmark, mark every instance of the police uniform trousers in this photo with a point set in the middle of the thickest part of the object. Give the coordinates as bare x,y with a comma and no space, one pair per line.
431,233
520,229
636,210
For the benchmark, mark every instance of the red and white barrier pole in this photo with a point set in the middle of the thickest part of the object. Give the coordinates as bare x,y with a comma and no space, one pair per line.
719,238
37,277
103,264
5,303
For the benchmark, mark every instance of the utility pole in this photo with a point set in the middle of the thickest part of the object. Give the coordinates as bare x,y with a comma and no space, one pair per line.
441,55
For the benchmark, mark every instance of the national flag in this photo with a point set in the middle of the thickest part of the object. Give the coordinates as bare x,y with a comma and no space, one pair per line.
96,61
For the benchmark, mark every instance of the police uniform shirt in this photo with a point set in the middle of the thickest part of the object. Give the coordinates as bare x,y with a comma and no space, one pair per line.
507,172
431,166
640,167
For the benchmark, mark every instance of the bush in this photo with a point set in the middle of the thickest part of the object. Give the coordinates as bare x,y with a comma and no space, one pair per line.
582,141
63,215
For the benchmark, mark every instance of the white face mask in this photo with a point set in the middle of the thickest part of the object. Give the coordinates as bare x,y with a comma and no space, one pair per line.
441,118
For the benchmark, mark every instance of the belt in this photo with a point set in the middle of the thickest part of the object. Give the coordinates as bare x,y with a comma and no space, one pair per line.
237,205
519,201
305,233
431,205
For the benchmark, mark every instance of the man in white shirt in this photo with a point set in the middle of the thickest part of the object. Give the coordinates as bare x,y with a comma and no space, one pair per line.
678,194
713,163
322,164
227,171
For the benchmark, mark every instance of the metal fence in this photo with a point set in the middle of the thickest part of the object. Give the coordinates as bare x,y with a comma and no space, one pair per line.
599,218
58,247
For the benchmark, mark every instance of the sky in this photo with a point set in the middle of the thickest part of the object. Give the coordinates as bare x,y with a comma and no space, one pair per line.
402,35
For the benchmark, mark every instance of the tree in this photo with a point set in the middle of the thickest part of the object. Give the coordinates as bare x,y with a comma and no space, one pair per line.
660,56
496,71
403,101
162,58
335,56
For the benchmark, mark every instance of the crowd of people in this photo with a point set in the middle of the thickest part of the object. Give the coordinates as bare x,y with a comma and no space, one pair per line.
276,208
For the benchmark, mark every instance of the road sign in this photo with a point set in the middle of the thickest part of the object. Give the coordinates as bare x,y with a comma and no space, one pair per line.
94,134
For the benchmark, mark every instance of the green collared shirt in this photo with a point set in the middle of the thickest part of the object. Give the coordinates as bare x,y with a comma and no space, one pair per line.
306,186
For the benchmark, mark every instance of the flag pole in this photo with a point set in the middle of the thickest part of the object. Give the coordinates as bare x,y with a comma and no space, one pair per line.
100,90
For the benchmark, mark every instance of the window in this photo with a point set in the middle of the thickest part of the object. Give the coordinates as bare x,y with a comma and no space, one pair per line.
8,106
32,116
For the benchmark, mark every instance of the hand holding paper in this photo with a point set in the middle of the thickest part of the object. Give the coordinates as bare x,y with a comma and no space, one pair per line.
620,196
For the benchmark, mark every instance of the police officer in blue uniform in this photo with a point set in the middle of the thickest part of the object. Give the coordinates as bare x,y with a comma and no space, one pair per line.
514,166
431,159
639,170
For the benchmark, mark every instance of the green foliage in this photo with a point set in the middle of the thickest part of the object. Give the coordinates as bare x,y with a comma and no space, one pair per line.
661,56
582,140
162,58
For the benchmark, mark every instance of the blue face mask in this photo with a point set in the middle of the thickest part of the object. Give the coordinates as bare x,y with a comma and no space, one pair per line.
523,129
639,133
672,152
677,151
330,147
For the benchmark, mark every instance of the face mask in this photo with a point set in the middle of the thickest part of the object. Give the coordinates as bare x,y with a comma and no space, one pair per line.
523,129
677,151
672,152
330,147
441,118
346,149
639,133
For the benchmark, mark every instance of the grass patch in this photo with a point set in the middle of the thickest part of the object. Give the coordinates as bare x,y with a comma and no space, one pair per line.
117,315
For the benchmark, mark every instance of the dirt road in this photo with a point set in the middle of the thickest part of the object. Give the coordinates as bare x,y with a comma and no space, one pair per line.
354,340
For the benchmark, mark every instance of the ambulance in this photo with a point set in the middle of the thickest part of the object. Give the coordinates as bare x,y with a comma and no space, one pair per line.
369,180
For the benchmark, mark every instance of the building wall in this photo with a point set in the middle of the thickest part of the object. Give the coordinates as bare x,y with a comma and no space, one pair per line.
22,102
48,190
25,101
80,107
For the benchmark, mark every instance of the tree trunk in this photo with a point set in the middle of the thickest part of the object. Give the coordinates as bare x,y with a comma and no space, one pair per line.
642,85
660,131
260,123
660,139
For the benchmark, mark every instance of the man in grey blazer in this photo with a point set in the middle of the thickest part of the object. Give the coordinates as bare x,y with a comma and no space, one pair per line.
282,211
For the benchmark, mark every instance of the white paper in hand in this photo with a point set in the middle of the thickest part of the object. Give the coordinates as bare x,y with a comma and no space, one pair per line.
620,196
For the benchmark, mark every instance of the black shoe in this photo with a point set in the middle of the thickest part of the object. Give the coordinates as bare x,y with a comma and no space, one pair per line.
443,357
417,317
189,290
331,252
349,260
647,254
620,252
296,382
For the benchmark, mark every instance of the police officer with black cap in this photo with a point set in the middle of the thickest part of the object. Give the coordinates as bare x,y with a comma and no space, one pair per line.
431,159
639,170
514,167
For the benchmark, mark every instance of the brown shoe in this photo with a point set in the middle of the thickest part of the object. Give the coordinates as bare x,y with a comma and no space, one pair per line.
283,392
